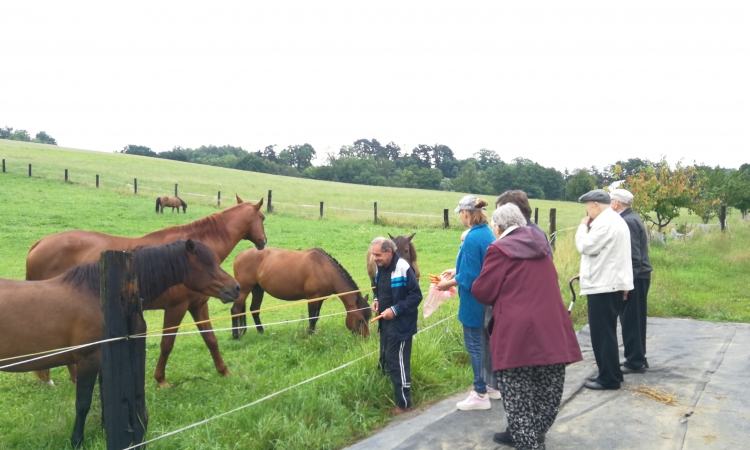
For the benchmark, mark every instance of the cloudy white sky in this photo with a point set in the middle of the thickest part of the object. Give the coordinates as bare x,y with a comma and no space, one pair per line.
564,83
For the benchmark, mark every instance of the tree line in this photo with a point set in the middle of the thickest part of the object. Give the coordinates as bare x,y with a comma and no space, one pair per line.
23,135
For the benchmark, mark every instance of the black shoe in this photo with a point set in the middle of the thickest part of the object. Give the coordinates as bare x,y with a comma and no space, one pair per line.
626,370
598,387
593,378
506,439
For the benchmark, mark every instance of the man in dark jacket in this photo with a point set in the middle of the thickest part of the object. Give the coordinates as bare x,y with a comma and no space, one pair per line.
397,297
633,313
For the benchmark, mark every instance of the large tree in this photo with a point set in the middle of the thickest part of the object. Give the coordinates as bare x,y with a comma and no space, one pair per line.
297,156
44,138
579,183
140,150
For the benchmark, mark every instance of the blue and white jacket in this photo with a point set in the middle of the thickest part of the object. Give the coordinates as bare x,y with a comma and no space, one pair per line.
396,287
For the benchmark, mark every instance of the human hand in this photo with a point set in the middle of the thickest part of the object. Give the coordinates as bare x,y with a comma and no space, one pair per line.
448,274
444,285
388,314
624,296
586,221
375,306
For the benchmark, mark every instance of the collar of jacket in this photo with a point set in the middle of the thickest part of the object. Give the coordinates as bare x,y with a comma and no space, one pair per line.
506,232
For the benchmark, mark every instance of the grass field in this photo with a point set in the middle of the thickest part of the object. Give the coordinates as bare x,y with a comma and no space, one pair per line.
703,278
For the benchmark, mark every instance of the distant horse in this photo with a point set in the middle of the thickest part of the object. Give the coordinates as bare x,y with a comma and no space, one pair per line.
296,275
76,317
221,231
167,201
404,248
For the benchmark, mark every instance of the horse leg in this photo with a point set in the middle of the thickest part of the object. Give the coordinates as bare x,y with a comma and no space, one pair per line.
200,314
88,368
255,305
172,317
44,377
313,311
241,321
72,371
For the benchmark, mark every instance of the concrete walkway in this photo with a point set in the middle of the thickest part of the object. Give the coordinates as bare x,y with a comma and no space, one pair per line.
705,365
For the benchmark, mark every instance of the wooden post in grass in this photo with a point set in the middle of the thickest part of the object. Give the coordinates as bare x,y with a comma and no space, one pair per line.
723,217
97,181
175,189
218,199
269,208
29,170
3,165
536,216
66,175
135,185
321,210
123,362
553,226
375,210
446,224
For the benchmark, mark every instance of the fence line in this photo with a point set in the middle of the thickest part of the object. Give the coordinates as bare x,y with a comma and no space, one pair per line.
269,396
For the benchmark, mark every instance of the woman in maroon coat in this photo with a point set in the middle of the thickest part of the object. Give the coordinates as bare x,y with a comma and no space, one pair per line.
532,339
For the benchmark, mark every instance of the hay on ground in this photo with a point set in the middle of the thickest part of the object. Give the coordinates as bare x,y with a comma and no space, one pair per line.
657,394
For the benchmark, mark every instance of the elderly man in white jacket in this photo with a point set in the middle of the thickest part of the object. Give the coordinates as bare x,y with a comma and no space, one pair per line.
603,239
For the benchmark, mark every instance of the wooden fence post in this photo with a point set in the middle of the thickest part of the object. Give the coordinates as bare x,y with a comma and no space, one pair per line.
536,216
446,224
135,185
97,181
175,189
123,362
723,217
29,170
375,209
321,210
3,165
218,199
269,208
66,175
553,226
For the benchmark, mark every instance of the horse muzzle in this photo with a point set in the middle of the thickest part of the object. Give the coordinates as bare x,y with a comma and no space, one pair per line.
229,295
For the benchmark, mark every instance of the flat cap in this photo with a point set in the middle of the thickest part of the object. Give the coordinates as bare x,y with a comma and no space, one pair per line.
622,195
597,195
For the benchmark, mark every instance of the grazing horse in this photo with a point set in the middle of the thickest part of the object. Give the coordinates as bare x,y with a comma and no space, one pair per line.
75,316
167,201
294,275
404,248
221,231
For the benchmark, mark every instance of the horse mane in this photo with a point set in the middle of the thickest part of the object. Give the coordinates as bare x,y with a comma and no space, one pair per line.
205,228
183,203
361,303
156,269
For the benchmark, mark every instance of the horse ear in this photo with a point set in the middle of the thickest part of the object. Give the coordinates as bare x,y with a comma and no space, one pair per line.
367,298
258,205
391,236
239,200
190,246
410,237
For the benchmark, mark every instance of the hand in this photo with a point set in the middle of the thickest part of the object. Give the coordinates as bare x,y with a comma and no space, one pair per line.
624,296
444,285
375,306
388,314
586,221
448,274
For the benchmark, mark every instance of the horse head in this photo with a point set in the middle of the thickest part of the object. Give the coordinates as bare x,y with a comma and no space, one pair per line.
206,276
254,231
405,249
359,321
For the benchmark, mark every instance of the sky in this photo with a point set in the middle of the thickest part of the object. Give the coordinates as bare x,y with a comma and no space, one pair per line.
564,83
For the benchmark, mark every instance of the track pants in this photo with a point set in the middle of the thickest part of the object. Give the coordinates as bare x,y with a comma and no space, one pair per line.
395,359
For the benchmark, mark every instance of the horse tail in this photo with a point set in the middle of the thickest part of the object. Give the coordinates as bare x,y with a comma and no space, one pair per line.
158,202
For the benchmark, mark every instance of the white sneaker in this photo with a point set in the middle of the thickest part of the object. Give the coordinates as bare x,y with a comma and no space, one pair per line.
494,394
474,402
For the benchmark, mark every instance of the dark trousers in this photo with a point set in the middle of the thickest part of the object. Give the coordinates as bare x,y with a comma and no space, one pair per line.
633,321
395,360
603,312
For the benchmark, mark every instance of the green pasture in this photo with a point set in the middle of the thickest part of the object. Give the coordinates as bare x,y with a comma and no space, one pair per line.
703,278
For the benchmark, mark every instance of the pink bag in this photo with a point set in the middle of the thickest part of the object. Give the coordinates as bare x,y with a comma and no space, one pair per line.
435,298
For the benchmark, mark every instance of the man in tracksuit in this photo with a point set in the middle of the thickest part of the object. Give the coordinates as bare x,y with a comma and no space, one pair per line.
397,297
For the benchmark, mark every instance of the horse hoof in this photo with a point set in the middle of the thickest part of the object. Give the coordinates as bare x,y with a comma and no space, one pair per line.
163,384
226,373
50,383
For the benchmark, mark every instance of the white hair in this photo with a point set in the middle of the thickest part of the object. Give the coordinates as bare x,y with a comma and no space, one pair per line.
384,243
507,216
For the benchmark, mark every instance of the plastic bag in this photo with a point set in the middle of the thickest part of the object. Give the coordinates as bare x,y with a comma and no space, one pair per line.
435,298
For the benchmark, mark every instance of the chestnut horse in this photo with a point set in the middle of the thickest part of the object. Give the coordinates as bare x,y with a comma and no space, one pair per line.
167,201
404,248
296,275
221,231
74,315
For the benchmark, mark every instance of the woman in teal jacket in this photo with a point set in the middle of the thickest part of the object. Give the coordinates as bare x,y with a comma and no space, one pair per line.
471,312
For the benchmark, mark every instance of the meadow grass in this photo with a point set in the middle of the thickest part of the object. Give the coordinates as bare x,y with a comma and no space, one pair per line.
703,278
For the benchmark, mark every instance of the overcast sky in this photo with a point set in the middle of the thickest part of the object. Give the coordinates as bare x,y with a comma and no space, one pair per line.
564,83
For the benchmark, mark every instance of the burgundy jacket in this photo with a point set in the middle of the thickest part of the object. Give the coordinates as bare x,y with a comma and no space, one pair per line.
532,326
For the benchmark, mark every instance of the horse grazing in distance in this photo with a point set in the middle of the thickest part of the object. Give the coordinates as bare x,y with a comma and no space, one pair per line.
405,249
296,275
221,231
167,201
75,318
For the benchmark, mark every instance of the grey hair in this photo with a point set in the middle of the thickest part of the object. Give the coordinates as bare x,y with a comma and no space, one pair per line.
507,216
385,244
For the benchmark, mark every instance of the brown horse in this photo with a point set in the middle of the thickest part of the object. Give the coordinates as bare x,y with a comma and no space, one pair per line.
220,231
73,315
404,248
295,275
166,201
